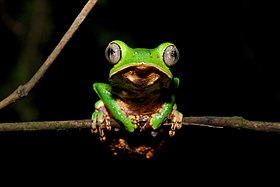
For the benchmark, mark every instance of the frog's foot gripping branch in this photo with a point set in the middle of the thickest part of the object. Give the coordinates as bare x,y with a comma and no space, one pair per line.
102,118
176,118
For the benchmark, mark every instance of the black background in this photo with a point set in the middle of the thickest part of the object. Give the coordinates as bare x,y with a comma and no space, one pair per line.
228,67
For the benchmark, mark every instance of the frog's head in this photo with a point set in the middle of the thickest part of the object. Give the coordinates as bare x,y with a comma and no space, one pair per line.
141,68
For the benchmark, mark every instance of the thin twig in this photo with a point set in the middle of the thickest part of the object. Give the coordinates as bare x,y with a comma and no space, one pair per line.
23,90
209,121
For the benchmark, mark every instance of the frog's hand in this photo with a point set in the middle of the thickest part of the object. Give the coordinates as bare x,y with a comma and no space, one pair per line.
101,117
104,92
176,118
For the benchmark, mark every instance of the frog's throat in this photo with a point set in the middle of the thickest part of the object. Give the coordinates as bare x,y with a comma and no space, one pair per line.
142,64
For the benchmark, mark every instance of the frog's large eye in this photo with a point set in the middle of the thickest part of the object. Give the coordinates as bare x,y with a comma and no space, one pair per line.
113,53
170,55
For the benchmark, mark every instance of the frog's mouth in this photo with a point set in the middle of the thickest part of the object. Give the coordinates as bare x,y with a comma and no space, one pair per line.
141,77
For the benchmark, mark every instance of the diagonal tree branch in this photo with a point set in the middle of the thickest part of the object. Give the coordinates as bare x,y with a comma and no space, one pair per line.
23,90
209,121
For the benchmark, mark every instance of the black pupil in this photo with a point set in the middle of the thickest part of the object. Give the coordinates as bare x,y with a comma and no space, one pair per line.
110,52
174,54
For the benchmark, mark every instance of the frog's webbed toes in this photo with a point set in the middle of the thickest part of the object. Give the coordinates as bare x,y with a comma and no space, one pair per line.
100,123
176,121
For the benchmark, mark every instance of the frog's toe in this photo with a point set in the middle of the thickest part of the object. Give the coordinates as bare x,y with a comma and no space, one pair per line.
94,123
94,130
171,133
107,123
102,136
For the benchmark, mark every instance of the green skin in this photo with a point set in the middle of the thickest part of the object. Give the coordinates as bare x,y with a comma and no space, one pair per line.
132,57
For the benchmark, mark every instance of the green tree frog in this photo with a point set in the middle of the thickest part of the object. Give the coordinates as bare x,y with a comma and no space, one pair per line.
141,88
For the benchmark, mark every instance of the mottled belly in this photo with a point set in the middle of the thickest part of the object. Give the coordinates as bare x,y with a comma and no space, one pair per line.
140,113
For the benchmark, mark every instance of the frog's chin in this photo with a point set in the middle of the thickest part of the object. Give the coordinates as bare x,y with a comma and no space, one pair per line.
141,77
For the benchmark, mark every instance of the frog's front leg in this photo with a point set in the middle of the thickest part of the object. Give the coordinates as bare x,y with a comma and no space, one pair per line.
175,116
101,117
107,107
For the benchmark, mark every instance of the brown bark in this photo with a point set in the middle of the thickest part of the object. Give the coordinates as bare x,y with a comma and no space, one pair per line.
209,121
